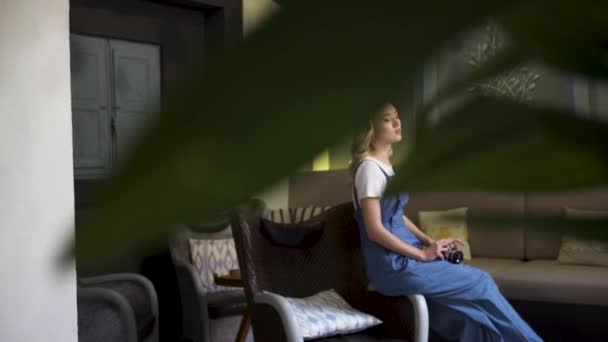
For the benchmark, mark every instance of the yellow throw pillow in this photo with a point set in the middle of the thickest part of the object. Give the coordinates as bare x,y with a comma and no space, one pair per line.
580,251
447,224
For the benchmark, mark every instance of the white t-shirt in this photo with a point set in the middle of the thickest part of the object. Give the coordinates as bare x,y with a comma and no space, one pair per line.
370,181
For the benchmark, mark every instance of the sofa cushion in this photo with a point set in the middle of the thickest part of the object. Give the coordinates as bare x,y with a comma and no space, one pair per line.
443,224
493,265
492,243
577,250
580,251
546,245
542,245
549,281
484,241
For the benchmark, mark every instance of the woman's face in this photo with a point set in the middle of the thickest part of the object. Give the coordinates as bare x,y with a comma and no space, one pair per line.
387,125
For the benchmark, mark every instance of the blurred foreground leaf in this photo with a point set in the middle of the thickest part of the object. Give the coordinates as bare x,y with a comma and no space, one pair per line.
593,229
314,72
556,224
499,145
572,35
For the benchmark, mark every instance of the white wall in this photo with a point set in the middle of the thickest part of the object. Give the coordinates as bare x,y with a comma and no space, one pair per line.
37,300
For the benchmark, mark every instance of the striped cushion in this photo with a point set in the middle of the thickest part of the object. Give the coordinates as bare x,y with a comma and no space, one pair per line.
294,215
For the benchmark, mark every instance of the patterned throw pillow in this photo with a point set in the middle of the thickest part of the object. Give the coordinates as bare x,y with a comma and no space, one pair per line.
294,215
327,314
580,251
213,256
447,224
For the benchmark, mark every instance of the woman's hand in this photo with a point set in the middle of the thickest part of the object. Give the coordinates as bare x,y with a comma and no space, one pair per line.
457,240
437,249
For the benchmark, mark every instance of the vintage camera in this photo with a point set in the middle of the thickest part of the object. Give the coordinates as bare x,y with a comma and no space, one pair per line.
453,255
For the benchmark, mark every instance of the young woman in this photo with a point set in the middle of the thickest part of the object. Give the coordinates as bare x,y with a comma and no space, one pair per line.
464,302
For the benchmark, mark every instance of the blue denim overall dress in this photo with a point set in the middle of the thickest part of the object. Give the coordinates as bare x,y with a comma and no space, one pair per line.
464,302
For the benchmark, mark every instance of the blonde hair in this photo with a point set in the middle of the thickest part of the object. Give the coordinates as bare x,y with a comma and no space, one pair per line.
363,143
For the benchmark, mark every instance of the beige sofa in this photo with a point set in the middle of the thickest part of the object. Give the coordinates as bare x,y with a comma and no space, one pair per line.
524,262
568,301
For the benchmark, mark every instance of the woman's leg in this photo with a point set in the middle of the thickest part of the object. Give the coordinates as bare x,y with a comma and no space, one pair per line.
460,289
454,325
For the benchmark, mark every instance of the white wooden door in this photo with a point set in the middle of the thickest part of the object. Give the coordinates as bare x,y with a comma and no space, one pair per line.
90,106
136,92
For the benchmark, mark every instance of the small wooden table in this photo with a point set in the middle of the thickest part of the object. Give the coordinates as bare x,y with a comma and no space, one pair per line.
233,279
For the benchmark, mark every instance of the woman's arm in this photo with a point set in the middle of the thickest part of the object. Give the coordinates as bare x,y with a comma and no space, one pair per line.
379,234
425,239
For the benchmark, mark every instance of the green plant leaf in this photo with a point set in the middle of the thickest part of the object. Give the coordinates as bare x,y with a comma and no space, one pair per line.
315,71
499,145
556,225
572,35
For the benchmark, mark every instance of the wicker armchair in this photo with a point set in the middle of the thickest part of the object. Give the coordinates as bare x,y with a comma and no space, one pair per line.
117,307
332,262
205,316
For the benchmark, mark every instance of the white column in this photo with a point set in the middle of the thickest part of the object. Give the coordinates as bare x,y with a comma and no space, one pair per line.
37,299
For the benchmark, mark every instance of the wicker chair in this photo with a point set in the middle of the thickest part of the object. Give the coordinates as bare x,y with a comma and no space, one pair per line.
333,261
117,307
200,310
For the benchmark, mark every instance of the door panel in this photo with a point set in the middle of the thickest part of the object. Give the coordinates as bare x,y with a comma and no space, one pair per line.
90,110
136,72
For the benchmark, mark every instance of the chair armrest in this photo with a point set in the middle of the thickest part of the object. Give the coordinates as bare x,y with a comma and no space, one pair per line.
130,285
107,280
103,314
421,317
195,316
276,311
187,276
